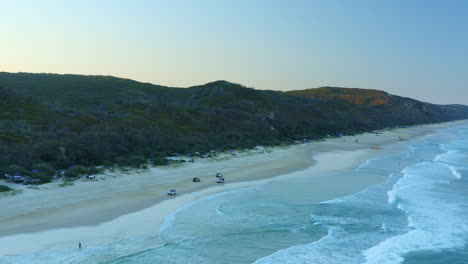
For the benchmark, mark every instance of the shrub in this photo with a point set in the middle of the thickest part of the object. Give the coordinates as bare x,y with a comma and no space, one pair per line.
71,174
66,183
121,161
160,161
93,170
43,171
45,178
136,161
81,169
14,168
108,164
161,153
4,188
76,171
44,168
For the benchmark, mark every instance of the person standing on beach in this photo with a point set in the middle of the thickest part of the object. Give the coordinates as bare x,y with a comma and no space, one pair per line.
79,245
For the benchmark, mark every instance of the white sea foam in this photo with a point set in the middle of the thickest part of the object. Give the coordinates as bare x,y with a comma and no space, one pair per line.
322,251
218,210
455,172
333,220
367,163
411,150
449,158
298,229
436,221
384,227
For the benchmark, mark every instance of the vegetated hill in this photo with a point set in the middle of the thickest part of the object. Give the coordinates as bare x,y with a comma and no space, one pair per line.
65,120
354,95
369,105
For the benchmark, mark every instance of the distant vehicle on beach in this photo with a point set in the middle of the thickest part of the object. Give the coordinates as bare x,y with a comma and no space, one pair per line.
219,175
171,192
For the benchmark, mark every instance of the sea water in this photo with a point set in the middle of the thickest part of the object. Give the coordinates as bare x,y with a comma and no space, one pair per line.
419,215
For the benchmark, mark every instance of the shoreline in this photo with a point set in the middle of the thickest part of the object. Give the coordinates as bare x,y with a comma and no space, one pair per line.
114,197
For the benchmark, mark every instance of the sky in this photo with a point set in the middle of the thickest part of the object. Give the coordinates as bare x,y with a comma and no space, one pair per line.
411,48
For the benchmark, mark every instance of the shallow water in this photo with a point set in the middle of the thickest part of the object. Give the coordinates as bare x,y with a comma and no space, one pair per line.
418,216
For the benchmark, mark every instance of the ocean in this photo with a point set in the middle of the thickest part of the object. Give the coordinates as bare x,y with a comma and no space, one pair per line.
419,215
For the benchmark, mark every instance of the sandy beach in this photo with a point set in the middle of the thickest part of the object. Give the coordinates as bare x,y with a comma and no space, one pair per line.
123,205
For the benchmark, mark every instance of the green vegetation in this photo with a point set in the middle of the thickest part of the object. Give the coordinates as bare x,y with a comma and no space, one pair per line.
137,161
356,96
43,171
13,168
160,161
66,183
4,188
51,122
122,161
76,171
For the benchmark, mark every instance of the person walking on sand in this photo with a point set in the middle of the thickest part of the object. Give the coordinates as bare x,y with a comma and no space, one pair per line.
79,245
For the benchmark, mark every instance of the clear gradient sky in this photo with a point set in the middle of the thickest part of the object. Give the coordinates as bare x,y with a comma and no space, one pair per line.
412,48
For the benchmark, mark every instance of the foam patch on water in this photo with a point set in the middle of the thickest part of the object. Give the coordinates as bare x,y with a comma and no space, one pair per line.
436,221
333,220
367,164
411,149
322,251
451,158
364,197
298,229
218,210
455,172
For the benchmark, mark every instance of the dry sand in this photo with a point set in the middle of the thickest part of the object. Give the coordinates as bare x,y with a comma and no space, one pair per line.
118,206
